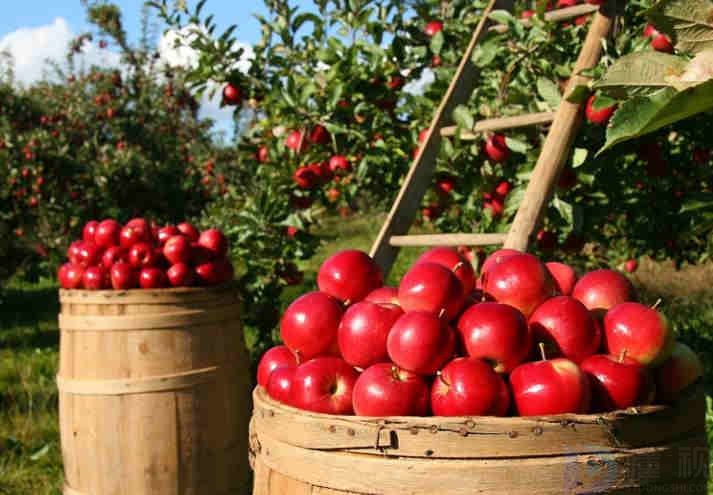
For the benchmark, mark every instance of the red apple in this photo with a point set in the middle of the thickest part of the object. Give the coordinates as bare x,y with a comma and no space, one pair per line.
661,43
177,249
89,231
165,233
143,255
385,390
677,373
339,164
564,276
452,260
215,242
555,386
123,276
363,332
88,254
309,325
384,295
279,386
95,278
496,148
433,28
420,342
603,289
128,236
107,233
70,276
502,405
617,382
598,117
152,278
319,135
232,95
631,265
73,252
640,331
181,275
263,154
432,288
496,258
274,358
296,141
522,281
305,178
466,387
349,276
189,231
324,385
497,333
215,272
567,328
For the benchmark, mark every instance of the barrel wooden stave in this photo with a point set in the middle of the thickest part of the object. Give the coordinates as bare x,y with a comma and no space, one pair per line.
307,463
184,435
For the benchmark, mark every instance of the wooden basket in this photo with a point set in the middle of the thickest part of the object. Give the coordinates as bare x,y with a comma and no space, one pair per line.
153,392
652,449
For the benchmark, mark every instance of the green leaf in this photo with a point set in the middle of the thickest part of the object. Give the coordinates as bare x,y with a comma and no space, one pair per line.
437,43
602,101
688,22
40,453
564,209
578,94
642,115
648,69
463,118
485,52
579,156
516,145
502,17
549,92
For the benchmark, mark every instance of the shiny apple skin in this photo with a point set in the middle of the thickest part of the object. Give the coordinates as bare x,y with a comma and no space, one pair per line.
617,383
324,385
452,260
279,385
603,289
432,288
497,333
384,295
309,325
466,387
677,373
363,332
641,331
420,342
275,357
555,386
385,390
567,329
349,276
522,281
564,276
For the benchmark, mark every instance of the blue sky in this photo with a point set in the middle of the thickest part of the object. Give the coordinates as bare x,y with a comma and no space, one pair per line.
33,31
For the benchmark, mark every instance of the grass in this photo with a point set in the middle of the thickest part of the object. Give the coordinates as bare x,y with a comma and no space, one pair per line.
30,456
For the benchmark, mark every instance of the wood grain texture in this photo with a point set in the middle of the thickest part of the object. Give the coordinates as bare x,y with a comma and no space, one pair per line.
556,149
500,124
625,452
419,176
448,240
152,392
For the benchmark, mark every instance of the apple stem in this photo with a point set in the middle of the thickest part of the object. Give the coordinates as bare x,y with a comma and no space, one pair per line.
440,377
541,345
458,266
395,372
347,303
622,356
657,303
442,313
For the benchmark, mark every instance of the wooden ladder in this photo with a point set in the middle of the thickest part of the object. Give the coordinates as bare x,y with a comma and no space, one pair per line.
555,151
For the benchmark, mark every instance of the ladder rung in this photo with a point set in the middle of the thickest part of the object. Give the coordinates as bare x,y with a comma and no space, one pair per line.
555,15
500,124
447,240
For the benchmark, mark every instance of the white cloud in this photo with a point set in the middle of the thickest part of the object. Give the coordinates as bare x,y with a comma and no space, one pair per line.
418,86
179,55
30,48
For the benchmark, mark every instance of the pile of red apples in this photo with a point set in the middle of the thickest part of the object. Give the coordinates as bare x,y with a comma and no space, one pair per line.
139,254
525,338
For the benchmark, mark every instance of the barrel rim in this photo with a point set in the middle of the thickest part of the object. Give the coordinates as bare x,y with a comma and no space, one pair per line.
146,296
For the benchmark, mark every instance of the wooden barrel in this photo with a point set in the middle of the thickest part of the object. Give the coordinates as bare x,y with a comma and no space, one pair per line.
652,449
154,392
